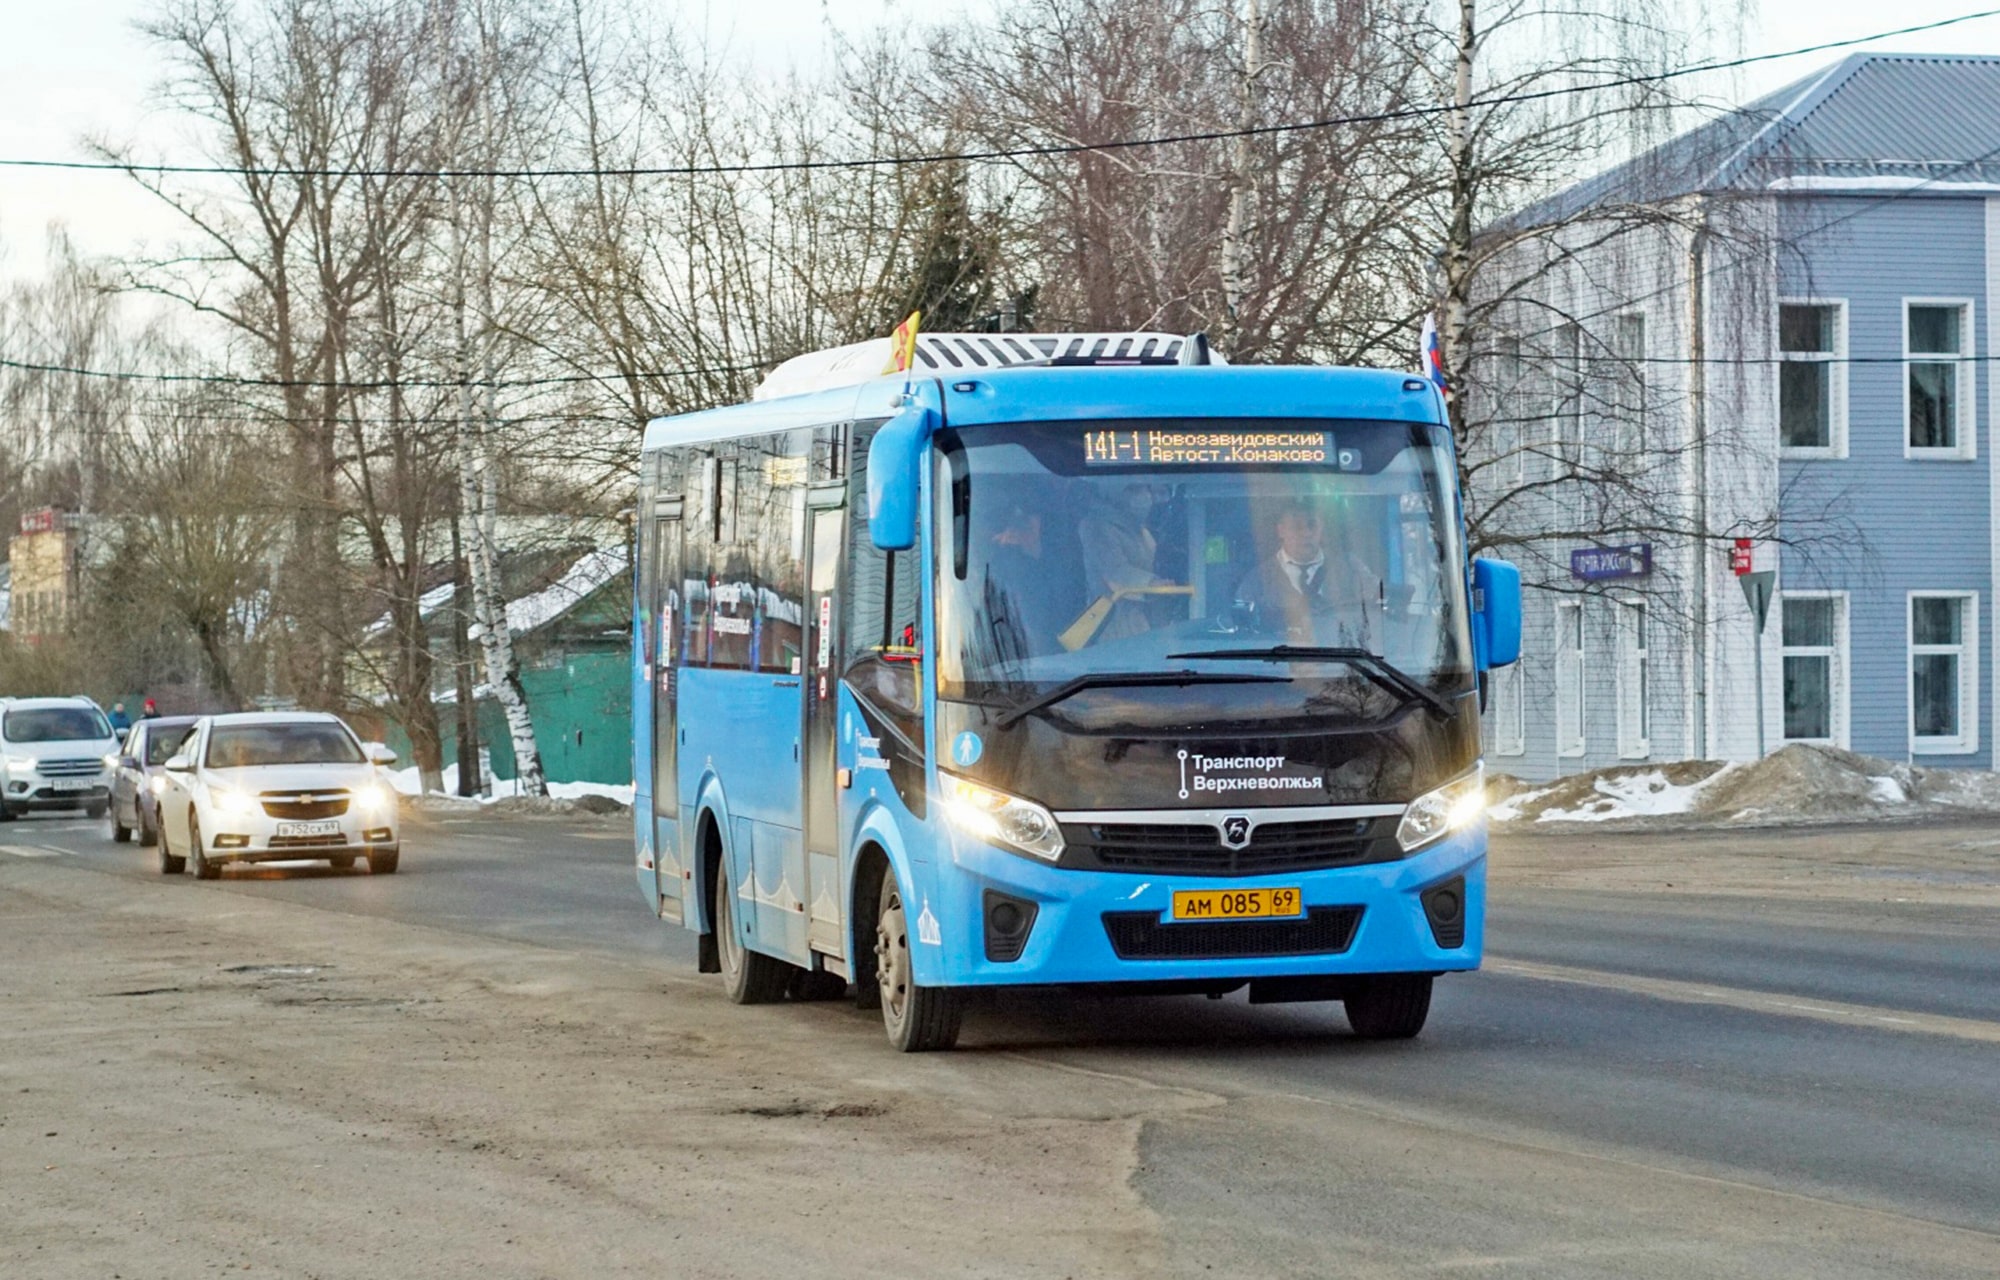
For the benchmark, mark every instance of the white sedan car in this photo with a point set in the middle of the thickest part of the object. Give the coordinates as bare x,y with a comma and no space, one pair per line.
272,787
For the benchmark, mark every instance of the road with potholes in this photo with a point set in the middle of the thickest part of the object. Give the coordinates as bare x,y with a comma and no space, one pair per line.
1703,1054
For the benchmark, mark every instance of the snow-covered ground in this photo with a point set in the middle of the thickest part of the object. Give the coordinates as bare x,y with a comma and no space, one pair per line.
1796,784
408,783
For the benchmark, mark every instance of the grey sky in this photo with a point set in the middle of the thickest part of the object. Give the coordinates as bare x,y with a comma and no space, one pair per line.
74,67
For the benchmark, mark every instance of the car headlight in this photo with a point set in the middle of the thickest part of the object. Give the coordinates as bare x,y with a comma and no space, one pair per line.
371,798
231,801
996,816
21,764
111,761
1452,807
158,782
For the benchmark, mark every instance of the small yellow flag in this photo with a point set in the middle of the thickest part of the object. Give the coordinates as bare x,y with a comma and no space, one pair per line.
903,345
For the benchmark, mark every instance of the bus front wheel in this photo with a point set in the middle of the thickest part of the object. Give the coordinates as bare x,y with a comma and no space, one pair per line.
750,977
918,1018
1390,1006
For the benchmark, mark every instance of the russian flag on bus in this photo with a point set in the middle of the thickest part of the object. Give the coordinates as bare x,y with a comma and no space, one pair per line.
1433,356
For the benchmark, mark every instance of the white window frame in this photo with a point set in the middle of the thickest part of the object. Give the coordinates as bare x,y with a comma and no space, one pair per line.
1571,684
1836,391
1967,650
1966,424
1634,679
1509,736
1837,666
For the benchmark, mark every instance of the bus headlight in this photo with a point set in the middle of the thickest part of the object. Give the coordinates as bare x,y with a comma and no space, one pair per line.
1004,819
1452,807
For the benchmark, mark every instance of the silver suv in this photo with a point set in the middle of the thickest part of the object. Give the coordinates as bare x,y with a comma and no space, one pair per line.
55,753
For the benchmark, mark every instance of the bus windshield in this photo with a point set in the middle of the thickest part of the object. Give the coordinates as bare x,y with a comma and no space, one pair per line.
1068,550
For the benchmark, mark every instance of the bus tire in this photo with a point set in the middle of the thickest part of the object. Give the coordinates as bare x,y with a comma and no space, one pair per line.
749,977
918,1019
1390,1006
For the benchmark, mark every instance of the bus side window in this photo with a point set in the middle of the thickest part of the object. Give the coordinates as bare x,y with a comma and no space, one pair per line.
779,548
698,540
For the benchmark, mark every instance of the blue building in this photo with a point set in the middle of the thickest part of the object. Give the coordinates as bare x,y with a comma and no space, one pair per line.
1775,328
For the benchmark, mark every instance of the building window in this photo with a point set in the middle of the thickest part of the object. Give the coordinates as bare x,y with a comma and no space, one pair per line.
1937,377
1569,678
1510,405
1812,379
1618,390
1508,729
1635,723
1568,368
1944,665
1813,633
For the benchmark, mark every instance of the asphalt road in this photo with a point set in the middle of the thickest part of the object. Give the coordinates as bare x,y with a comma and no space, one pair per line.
1697,1085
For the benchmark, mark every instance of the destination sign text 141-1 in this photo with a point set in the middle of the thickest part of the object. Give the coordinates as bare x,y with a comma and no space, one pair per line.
1158,448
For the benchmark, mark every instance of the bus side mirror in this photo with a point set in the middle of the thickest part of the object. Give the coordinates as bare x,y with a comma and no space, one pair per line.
1496,613
895,462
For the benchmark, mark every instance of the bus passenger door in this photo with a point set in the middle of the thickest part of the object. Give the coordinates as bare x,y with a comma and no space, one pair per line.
668,871
821,820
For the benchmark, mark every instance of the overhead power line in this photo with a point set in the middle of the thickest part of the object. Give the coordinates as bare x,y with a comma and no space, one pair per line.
996,153
405,384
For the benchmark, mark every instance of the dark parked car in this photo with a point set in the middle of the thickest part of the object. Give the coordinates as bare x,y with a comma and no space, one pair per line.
135,803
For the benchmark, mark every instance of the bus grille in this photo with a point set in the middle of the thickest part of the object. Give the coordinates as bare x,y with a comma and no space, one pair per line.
304,804
1197,848
1141,935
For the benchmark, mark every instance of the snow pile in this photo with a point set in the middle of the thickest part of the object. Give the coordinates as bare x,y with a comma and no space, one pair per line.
1642,791
1799,783
589,796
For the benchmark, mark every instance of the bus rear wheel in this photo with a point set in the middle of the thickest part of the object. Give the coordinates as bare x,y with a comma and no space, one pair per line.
919,1019
1390,1006
750,977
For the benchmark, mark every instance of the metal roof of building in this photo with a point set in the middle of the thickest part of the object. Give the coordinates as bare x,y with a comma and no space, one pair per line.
1872,121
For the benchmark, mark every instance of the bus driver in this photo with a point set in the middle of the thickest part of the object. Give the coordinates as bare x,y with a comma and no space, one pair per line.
1311,597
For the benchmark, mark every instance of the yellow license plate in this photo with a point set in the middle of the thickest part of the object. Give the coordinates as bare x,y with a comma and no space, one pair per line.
1236,904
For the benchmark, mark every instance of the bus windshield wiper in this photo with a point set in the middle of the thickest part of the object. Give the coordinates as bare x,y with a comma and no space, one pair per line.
1378,669
1123,680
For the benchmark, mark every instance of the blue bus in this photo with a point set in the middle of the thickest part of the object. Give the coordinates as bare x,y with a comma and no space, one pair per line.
1065,662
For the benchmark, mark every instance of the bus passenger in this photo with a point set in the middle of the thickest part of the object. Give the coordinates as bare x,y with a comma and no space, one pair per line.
1311,597
1118,559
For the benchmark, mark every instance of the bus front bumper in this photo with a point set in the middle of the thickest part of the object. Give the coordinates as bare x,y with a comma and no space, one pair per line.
1091,927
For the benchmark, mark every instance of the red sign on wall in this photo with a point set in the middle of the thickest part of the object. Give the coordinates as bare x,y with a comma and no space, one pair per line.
1739,557
43,520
